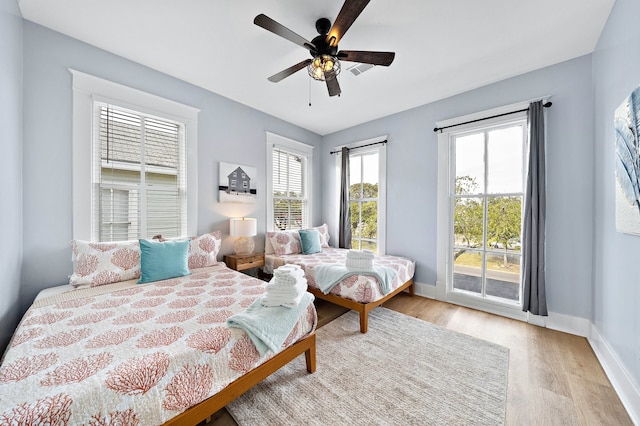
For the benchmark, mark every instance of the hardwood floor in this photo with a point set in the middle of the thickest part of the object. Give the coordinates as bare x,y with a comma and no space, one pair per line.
554,377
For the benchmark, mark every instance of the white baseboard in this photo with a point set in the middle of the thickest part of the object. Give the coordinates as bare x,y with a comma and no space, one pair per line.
565,323
425,290
560,322
618,376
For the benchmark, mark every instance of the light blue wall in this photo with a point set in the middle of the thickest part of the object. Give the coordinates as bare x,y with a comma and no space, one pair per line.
10,166
412,179
616,255
227,131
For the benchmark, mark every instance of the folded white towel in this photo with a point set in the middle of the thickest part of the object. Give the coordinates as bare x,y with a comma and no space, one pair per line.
289,277
288,272
287,297
361,264
359,259
286,291
360,254
288,281
290,266
285,302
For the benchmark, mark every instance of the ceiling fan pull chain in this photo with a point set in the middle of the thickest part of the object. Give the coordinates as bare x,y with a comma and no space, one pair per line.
309,92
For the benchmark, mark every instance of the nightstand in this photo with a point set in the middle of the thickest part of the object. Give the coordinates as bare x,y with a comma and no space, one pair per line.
241,262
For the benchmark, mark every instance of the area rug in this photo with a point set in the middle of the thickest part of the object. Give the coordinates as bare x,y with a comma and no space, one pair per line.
404,371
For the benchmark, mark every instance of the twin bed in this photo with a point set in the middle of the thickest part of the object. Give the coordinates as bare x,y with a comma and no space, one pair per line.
110,350
361,292
155,353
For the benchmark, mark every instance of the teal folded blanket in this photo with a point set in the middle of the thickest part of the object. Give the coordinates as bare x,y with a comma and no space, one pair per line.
269,326
327,276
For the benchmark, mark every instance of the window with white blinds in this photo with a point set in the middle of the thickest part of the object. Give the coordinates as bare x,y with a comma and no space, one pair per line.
139,175
288,187
289,195
135,163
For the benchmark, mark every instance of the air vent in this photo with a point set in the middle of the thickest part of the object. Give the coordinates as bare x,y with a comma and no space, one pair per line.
358,69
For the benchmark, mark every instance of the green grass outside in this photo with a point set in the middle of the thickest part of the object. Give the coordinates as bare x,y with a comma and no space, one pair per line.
494,262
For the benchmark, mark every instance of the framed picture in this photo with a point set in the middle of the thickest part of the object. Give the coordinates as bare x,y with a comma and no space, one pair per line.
627,128
237,183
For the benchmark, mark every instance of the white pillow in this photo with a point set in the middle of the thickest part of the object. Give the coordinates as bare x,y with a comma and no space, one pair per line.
98,264
285,242
203,250
324,234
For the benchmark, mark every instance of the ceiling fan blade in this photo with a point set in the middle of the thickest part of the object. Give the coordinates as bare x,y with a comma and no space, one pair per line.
365,57
334,87
292,69
351,9
270,25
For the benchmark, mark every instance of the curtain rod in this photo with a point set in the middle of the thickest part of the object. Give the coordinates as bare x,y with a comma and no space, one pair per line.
361,146
436,129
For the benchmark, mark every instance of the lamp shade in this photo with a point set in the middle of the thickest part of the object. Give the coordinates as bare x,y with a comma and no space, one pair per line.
243,227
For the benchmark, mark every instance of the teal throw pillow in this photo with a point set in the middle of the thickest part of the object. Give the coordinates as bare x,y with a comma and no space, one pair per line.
310,239
163,260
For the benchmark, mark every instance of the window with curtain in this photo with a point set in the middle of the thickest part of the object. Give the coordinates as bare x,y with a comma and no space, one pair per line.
486,196
139,175
367,193
364,195
288,186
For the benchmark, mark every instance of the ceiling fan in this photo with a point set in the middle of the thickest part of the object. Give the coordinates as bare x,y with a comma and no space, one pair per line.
325,62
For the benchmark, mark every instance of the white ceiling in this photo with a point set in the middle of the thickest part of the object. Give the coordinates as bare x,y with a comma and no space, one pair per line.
443,47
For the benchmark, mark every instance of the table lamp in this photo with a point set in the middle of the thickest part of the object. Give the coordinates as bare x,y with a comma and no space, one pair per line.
243,228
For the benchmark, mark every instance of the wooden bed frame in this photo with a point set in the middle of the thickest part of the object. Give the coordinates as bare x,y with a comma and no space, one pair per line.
206,408
362,308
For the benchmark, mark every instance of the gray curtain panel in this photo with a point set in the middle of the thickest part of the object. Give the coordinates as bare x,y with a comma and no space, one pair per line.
533,235
344,236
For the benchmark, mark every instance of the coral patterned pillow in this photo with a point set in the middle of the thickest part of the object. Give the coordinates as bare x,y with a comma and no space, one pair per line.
104,263
203,250
324,234
285,242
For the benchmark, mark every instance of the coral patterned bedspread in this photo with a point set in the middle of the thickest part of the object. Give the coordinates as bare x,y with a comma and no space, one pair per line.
136,355
361,288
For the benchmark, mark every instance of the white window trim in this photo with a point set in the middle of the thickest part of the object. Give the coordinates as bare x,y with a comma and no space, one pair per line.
277,141
86,89
444,209
382,183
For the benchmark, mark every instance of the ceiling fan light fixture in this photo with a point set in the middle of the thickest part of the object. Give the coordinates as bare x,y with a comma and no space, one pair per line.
324,64
324,67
